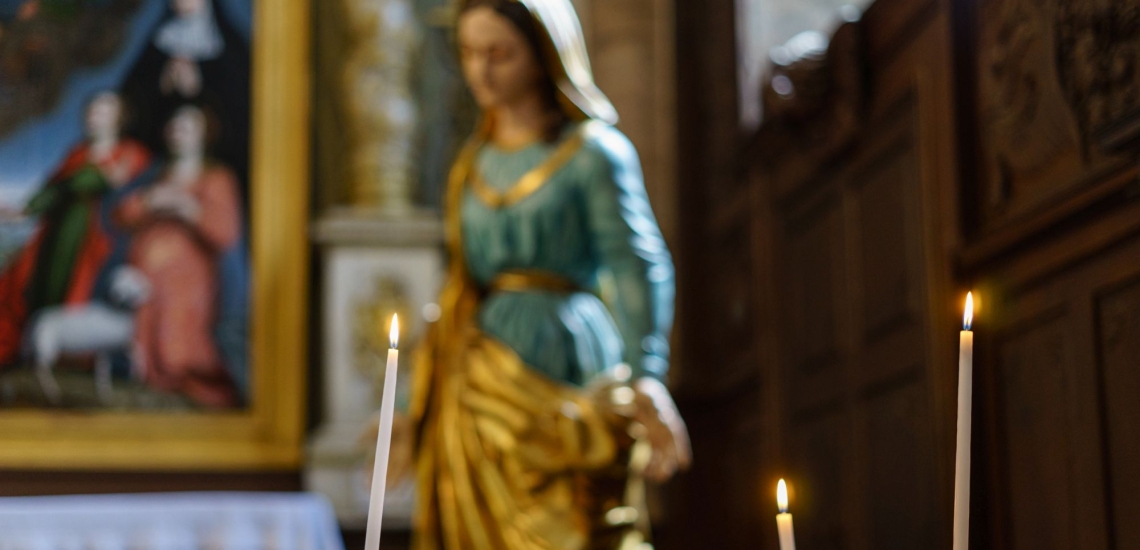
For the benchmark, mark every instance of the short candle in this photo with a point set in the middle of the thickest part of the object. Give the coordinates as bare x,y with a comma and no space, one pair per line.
784,519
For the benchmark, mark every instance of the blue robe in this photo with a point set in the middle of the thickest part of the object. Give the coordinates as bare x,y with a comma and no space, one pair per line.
590,223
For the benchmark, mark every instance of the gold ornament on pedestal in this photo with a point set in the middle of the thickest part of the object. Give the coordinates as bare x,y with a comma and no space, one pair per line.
381,109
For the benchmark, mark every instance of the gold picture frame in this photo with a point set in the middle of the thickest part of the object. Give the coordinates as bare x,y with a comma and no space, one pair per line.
267,435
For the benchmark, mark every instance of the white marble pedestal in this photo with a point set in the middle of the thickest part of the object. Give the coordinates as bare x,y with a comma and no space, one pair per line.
372,266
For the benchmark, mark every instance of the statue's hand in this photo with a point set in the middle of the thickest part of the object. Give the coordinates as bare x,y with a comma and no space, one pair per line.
665,430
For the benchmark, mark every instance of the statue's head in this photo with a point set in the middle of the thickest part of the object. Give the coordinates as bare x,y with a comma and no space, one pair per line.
522,50
501,54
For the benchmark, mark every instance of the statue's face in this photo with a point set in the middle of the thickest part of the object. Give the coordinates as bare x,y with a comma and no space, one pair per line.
498,64
104,114
186,132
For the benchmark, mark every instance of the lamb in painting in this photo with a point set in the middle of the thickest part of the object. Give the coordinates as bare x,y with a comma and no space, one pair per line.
94,329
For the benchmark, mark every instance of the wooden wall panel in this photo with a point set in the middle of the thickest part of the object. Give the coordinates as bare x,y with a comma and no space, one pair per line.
819,449
854,283
726,453
732,292
1032,392
902,475
1118,324
810,308
938,146
709,508
854,242
886,243
1062,391
740,465
886,215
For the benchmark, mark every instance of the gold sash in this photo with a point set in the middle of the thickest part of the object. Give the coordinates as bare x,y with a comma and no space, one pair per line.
508,459
524,280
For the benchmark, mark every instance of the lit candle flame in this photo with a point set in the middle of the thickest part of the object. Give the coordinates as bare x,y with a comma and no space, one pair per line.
968,317
782,496
394,334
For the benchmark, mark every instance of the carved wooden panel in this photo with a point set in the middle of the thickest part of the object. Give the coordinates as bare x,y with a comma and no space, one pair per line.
902,476
1031,141
1118,321
1033,397
1098,61
812,283
1058,98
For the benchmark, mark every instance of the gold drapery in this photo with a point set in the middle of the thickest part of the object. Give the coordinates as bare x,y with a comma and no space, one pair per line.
508,459
512,461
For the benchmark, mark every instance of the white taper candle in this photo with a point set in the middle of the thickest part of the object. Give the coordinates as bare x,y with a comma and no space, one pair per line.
965,416
383,443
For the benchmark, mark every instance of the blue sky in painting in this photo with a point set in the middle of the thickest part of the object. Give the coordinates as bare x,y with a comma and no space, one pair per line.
30,154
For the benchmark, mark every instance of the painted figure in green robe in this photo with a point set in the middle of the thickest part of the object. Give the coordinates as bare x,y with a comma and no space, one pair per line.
62,262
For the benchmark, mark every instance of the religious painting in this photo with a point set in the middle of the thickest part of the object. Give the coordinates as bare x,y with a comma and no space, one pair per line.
124,177
130,217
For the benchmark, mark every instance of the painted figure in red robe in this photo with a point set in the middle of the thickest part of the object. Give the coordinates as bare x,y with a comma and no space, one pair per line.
181,226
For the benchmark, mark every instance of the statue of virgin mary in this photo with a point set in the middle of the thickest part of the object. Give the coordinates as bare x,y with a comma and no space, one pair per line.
539,406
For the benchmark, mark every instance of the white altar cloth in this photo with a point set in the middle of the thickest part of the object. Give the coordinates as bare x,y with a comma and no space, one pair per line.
169,521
